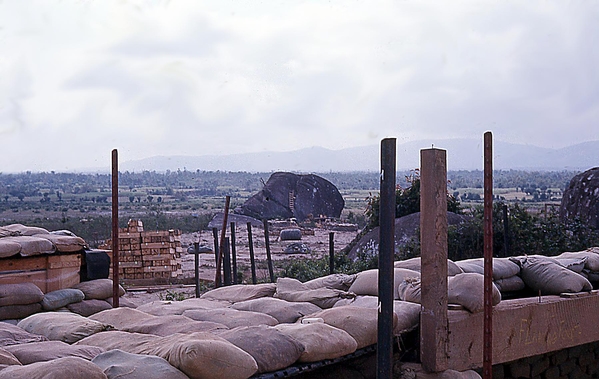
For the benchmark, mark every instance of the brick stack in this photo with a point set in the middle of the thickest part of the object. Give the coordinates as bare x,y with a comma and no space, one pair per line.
149,254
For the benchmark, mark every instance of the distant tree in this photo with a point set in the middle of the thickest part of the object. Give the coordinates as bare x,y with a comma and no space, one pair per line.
131,199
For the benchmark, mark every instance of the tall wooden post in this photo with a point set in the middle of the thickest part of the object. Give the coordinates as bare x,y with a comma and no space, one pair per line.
386,253
488,258
433,243
115,228
221,253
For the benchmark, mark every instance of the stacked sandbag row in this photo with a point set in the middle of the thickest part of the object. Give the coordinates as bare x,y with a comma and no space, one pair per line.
20,300
26,241
148,254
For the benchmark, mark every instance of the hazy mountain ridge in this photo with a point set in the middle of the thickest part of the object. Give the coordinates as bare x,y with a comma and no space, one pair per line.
462,154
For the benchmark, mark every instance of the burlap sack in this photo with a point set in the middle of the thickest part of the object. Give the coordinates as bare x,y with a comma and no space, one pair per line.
89,307
31,246
240,292
591,262
409,290
123,302
22,230
69,367
28,353
7,358
14,312
61,298
98,289
320,341
550,278
283,311
13,335
64,244
502,267
511,284
467,290
120,317
118,364
20,294
9,248
334,281
61,326
293,290
367,282
271,349
414,264
163,308
360,323
171,324
232,318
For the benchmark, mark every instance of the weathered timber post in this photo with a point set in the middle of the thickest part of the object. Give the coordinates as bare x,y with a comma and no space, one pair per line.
506,232
251,246
227,262
268,256
331,252
386,287
115,228
196,267
233,254
488,257
433,243
223,232
215,238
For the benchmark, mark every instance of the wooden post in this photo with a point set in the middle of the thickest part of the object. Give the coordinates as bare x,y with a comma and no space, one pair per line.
268,256
433,243
223,232
227,262
233,254
386,286
331,252
196,268
488,257
115,228
251,247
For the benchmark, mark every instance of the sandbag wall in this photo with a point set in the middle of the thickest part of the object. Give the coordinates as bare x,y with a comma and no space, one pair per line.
148,254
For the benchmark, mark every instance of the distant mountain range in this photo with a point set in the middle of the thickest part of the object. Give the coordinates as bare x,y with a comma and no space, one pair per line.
462,154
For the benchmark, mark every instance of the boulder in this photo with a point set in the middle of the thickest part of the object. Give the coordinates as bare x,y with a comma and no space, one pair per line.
581,199
287,195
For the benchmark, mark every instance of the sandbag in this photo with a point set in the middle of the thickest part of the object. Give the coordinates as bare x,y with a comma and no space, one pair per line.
28,353
31,246
13,312
271,349
240,292
283,311
290,235
367,282
9,248
61,298
293,290
118,364
123,302
467,290
20,294
591,262
171,324
320,341
7,358
98,289
502,267
22,230
13,335
511,284
232,318
335,281
62,326
409,290
89,307
163,308
69,367
408,314
414,264
64,244
120,317
197,355
360,323
550,278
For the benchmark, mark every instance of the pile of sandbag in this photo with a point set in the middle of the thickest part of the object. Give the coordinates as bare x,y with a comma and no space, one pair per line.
506,274
30,241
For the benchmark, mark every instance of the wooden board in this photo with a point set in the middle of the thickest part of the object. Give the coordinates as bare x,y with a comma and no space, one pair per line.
48,272
523,328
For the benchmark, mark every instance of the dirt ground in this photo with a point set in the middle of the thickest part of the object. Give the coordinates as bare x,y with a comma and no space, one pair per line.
317,245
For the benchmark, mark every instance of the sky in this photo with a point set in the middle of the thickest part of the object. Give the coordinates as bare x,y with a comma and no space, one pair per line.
80,78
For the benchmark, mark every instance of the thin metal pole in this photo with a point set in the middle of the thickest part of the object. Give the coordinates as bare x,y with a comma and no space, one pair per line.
384,349
233,253
196,252
115,228
332,252
251,246
217,279
227,262
268,257
488,257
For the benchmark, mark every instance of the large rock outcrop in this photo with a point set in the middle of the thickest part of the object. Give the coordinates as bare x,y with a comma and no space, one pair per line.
287,195
581,199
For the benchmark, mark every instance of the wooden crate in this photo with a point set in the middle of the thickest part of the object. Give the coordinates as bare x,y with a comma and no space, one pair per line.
48,272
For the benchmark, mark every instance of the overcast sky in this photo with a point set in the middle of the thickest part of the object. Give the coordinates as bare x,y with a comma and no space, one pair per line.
79,78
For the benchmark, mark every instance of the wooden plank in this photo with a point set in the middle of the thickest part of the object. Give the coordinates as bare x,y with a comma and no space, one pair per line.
64,261
154,245
21,264
433,237
37,277
523,328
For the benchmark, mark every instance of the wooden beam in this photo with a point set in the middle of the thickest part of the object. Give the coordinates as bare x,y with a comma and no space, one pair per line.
433,243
